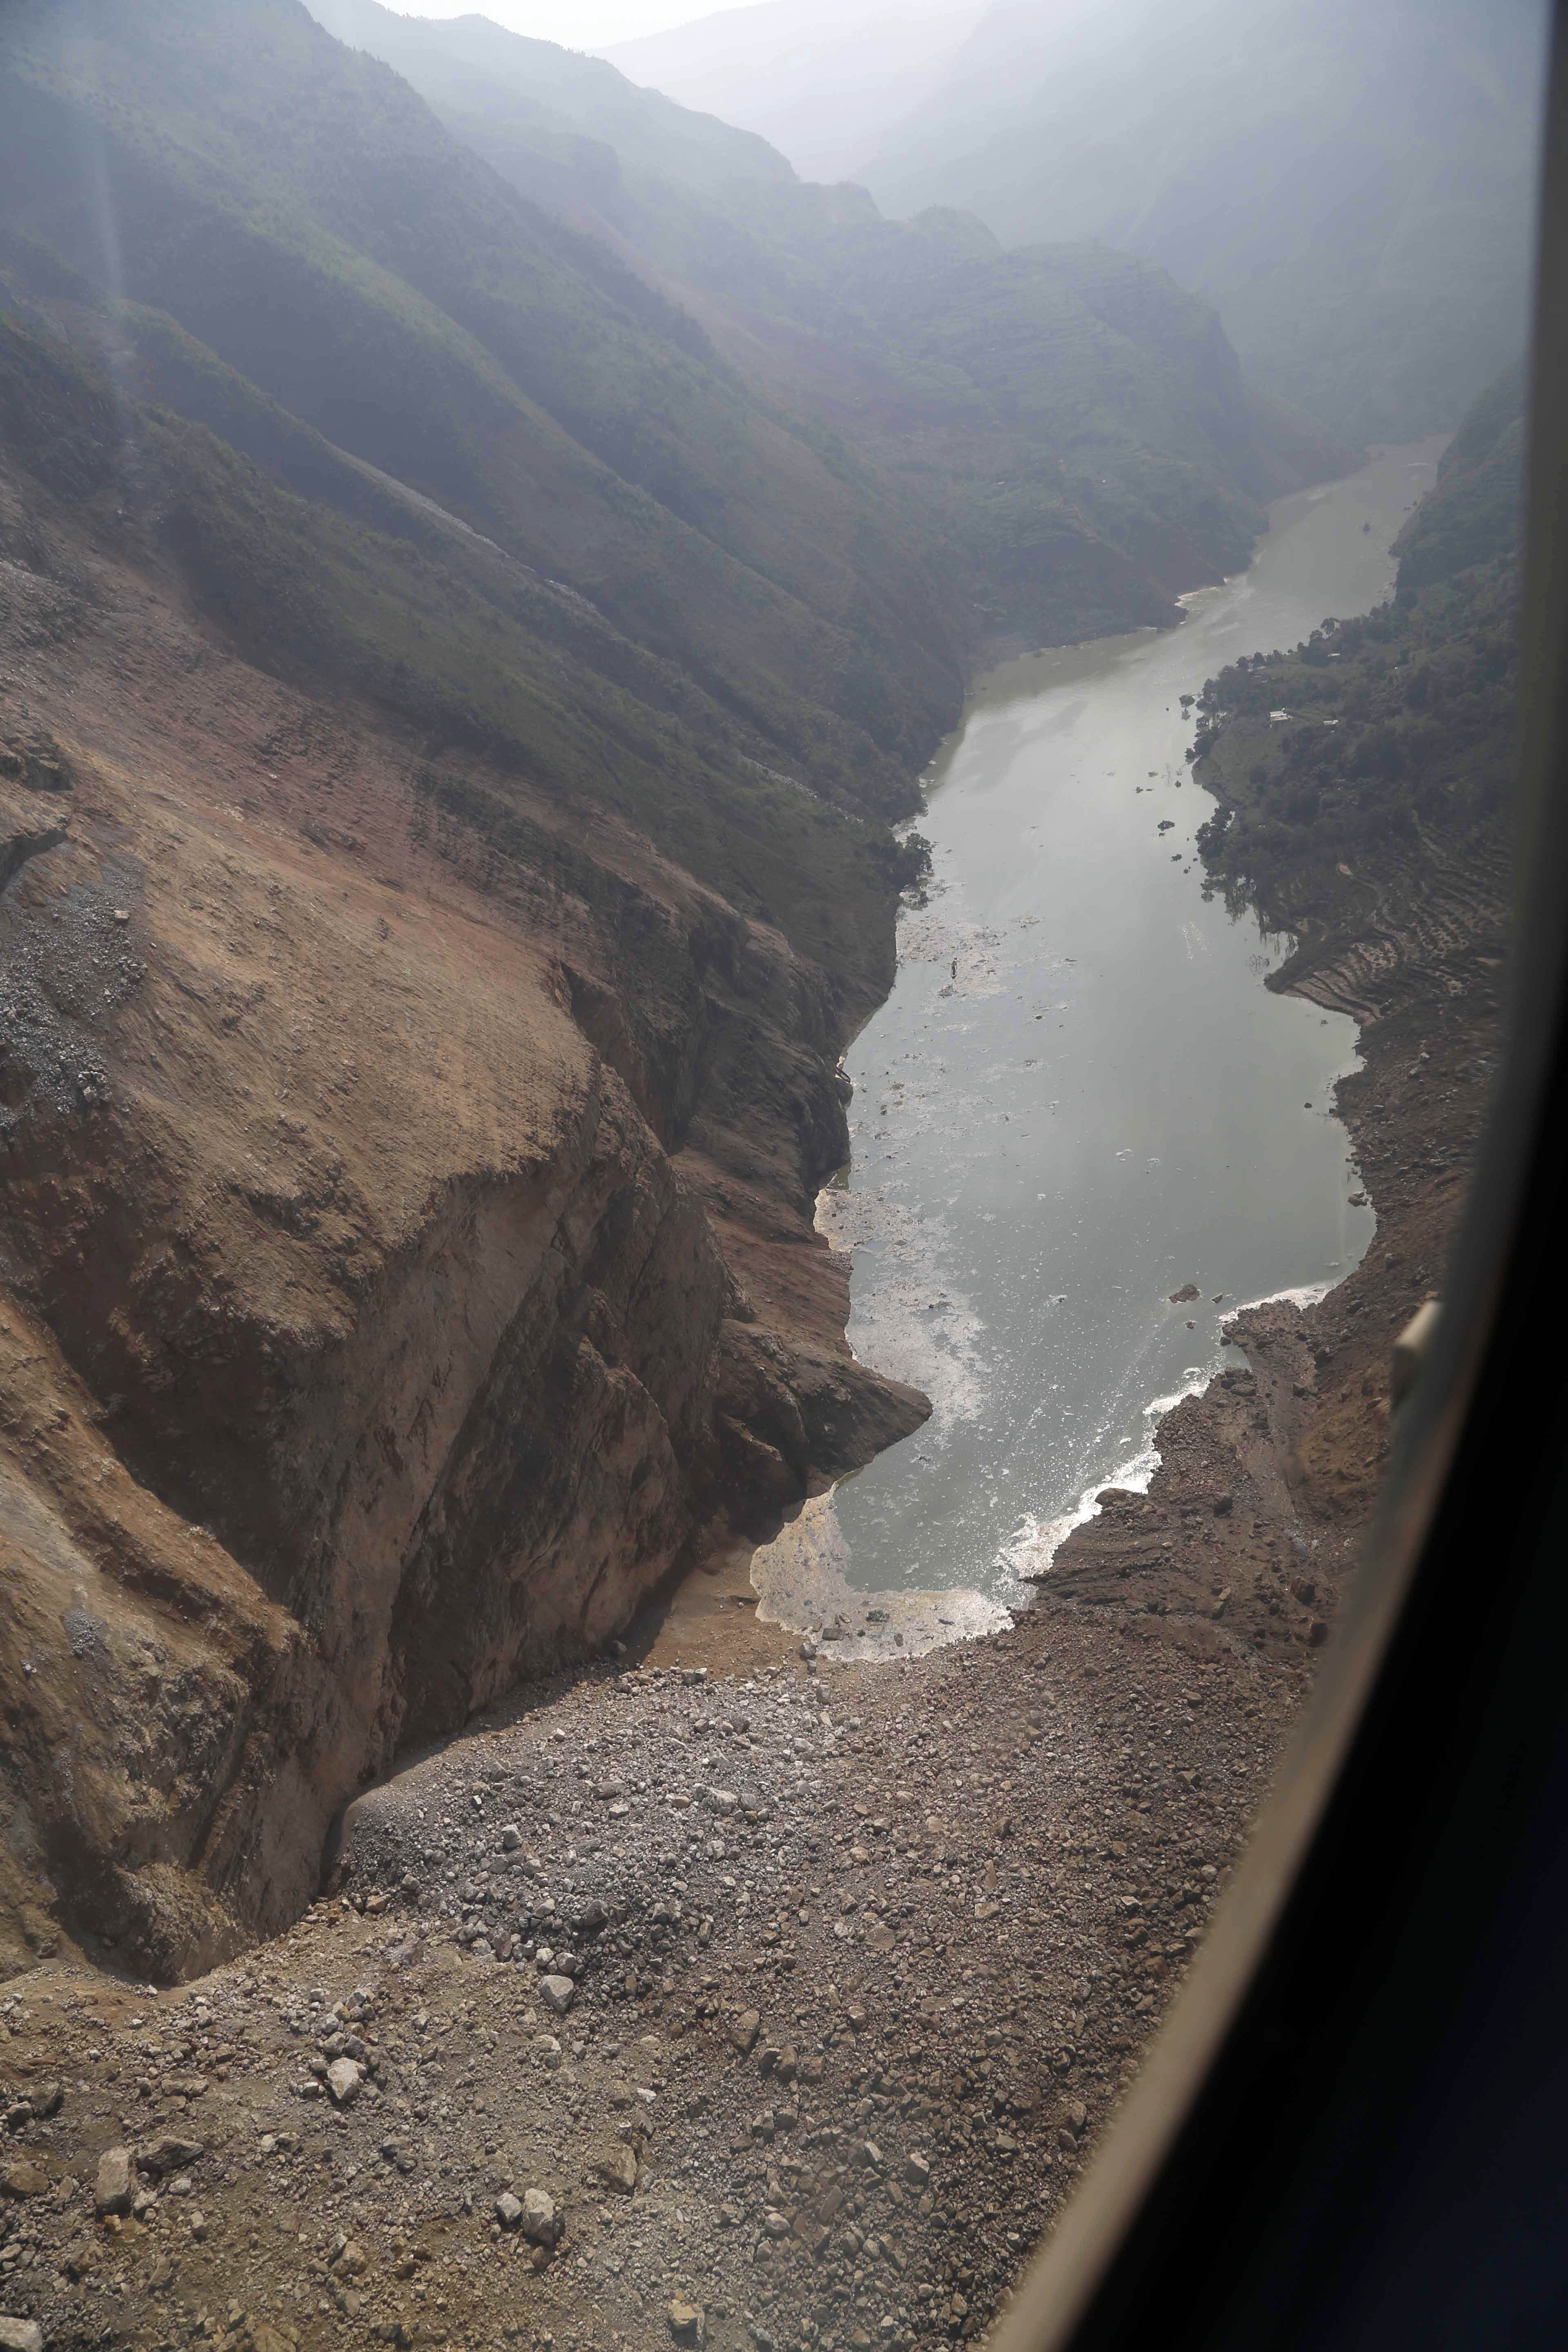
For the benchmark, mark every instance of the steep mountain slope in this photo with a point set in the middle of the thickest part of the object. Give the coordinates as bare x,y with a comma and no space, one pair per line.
298,210
439,875
825,83
467,65
450,717
406,1171
1351,186
1078,422
1348,817
1072,434
1472,514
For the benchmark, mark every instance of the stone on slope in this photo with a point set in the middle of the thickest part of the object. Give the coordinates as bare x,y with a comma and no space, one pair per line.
346,2077
111,2193
540,2220
616,2167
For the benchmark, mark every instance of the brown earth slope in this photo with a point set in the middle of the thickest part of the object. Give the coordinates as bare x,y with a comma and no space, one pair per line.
782,2007
364,1330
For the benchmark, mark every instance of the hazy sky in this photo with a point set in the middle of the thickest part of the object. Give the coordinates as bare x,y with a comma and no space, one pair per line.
579,24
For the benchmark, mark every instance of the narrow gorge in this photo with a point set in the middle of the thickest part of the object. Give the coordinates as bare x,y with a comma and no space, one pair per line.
750,955
451,825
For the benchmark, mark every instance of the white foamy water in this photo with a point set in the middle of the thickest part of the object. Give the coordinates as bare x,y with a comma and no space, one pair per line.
918,1328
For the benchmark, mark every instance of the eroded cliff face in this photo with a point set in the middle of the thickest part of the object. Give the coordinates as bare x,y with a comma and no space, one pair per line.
406,1254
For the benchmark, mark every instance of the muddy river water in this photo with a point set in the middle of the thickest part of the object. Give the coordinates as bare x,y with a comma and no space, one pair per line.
1078,1098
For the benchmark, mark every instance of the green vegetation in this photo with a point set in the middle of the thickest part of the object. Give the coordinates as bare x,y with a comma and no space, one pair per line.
1399,741
1078,422
298,215
1070,432
1473,511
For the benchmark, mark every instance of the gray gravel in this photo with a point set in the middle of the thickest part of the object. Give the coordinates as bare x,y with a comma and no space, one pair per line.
794,2003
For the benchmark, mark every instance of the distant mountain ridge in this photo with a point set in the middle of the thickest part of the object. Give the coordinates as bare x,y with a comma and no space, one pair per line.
1070,431
464,64
1352,185
824,79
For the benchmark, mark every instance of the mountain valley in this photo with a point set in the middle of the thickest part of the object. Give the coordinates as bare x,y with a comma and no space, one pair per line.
488,558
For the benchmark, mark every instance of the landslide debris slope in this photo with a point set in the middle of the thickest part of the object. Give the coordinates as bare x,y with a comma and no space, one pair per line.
364,1072
451,718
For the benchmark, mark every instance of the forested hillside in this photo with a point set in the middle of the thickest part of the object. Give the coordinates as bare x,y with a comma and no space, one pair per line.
1353,188
1384,743
1070,431
289,220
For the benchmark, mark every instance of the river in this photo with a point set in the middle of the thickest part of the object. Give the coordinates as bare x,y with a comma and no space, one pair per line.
1078,1100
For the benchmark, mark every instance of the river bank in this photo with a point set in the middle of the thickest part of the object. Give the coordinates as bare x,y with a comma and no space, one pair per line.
1081,1131
1268,1480
801,1990
856,1960
1295,1179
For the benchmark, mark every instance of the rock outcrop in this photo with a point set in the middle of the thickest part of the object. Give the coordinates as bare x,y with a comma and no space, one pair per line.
405,1256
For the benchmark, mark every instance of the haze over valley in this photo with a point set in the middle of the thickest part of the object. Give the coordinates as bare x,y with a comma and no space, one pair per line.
755,892
826,85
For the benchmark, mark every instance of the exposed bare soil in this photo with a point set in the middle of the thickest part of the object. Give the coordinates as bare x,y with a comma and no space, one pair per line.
403,1276
405,1252
852,1962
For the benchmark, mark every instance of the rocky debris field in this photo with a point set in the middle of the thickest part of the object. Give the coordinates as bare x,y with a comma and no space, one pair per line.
777,2009
774,2006
778,2004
